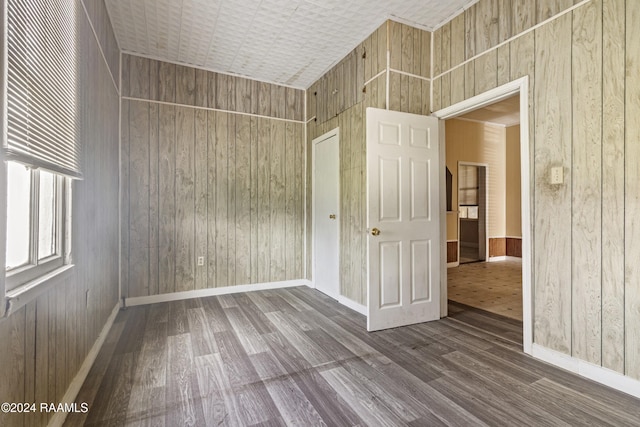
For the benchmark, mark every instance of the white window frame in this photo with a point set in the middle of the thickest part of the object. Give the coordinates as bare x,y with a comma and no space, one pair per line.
35,268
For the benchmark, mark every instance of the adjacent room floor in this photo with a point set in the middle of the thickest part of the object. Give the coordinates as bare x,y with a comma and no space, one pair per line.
296,357
494,286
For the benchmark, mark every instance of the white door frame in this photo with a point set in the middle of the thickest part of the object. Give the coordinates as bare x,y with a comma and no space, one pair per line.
486,205
334,132
521,87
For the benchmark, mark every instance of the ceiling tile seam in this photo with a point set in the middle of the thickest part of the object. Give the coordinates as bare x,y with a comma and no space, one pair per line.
146,22
244,38
180,29
279,33
200,67
215,25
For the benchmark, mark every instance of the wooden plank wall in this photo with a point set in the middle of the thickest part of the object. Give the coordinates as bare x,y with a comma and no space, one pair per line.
205,181
46,341
337,99
584,79
410,52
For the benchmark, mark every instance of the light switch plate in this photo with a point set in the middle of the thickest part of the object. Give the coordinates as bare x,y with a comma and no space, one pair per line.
557,175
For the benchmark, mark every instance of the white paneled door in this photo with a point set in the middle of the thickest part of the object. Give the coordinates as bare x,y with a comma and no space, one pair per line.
326,202
403,219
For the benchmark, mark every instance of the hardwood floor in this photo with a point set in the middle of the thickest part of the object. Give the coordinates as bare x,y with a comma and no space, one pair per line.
296,357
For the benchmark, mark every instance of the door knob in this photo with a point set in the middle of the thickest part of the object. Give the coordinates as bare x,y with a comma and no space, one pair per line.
375,231
332,216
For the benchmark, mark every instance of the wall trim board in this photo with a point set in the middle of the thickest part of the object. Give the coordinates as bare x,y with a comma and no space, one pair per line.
503,258
199,67
200,293
404,73
104,58
77,382
121,182
588,370
509,40
305,253
362,309
453,264
375,77
197,107
519,86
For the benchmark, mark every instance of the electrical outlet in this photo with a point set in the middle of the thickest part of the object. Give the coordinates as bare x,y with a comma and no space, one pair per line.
556,175
200,261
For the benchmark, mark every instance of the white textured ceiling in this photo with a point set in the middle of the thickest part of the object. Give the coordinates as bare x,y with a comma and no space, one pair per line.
504,113
291,42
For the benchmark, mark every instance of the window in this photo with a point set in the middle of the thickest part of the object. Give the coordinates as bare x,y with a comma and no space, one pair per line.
468,185
35,223
40,104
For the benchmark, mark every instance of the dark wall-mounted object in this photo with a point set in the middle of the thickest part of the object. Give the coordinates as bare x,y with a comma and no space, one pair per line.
449,179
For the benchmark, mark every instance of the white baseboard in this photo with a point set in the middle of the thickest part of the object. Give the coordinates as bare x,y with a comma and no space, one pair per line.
73,389
362,309
588,370
199,293
503,258
453,264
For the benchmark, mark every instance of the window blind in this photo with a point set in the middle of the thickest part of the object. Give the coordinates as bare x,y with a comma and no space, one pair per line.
42,93
468,185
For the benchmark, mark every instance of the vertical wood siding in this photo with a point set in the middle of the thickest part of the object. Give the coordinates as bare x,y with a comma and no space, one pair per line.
583,109
214,184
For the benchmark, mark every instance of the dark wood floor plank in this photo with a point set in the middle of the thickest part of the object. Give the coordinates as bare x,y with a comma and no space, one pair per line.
261,301
325,400
296,337
119,390
254,402
253,313
202,337
132,340
183,406
218,321
178,323
295,302
89,391
248,336
296,357
295,409
371,408
473,403
601,414
419,368
218,400
150,378
500,391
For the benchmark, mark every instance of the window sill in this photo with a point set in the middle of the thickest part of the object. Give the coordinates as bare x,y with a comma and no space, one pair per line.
22,295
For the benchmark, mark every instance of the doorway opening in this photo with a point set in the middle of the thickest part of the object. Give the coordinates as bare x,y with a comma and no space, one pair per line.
486,139
472,212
